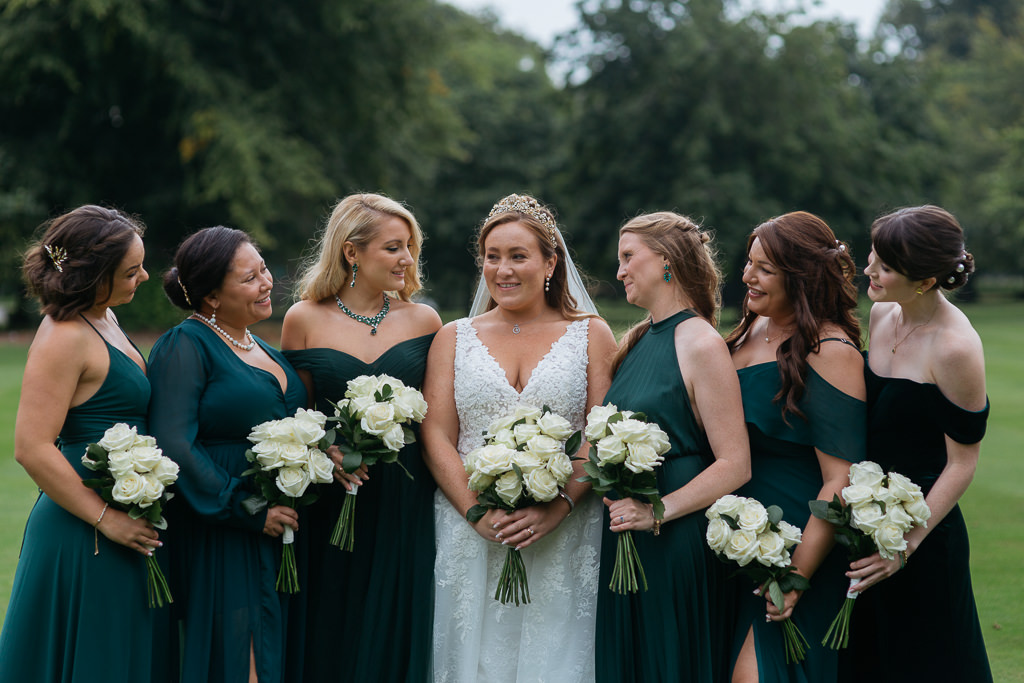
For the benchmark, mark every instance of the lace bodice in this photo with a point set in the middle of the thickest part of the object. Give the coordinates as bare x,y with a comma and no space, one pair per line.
483,394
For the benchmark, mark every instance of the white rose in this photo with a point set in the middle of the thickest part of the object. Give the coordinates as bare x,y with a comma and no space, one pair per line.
389,381
293,454
166,471
753,516
544,447
154,489
901,487
378,419
129,489
525,431
772,549
541,484
293,481
718,534
889,539
726,505
409,404
790,534
282,431
504,437
493,460
527,412
560,467
503,422
340,407
742,547
527,460
268,454
308,426
641,457
866,473
479,481
394,437
883,494
144,440
856,494
658,440
120,437
260,432
321,467
362,386
120,463
597,421
145,458
555,426
866,517
918,510
509,488
898,515
358,406
630,431
611,450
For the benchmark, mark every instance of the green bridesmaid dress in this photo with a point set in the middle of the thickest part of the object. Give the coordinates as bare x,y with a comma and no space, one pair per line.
672,631
785,472
223,567
367,615
76,616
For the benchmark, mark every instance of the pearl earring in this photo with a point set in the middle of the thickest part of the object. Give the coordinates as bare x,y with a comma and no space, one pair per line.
547,283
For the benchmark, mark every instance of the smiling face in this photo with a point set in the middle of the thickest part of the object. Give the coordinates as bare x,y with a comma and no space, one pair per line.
129,274
514,267
887,284
766,284
641,271
244,296
385,261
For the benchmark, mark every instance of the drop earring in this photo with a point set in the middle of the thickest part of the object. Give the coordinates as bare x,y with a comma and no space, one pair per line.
668,275
355,269
213,318
547,283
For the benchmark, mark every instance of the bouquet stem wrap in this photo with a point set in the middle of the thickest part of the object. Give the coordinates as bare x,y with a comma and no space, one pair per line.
838,634
288,575
344,534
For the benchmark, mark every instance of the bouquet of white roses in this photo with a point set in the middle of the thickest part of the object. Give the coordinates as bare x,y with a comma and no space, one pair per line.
133,477
526,460
373,423
876,511
287,457
625,449
755,538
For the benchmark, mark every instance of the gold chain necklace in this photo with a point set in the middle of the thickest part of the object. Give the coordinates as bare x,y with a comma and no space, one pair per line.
896,329
767,328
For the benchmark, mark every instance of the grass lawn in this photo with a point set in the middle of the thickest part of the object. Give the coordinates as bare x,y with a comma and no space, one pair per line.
993,506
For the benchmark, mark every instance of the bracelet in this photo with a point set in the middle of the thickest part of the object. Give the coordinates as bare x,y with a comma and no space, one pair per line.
95,529
568,499
656,529
903,559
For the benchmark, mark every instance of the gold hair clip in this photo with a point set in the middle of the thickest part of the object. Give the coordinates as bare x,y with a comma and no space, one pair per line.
520,203
58,255
184,291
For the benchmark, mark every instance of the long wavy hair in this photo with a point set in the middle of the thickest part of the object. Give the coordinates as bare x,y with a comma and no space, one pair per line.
818,274
691,261
356,219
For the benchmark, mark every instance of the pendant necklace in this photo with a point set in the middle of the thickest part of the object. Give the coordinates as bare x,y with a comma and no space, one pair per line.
896,329
515,326
767,328
213,323
366,320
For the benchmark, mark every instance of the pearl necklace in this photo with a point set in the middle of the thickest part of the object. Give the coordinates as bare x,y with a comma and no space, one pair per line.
248,335
366,320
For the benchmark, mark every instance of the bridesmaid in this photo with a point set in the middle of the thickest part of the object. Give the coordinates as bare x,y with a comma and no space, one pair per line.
212,382
355,318
927,414
802,380
674,367
82,562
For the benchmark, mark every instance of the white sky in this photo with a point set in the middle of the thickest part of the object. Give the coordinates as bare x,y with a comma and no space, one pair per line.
542,20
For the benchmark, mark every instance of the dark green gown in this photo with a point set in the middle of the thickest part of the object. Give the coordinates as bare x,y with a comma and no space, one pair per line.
75,616
223,567
920,624
669,632
785,472
367,615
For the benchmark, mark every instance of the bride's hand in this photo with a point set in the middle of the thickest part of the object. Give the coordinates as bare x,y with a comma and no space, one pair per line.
528,525
486,526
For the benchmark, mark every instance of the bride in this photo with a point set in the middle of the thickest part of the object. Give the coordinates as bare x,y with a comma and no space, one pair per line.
533,338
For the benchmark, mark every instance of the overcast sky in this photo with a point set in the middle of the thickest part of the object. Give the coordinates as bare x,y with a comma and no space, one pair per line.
542,20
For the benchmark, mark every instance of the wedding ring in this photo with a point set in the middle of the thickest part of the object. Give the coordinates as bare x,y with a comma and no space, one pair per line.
530,530
621,519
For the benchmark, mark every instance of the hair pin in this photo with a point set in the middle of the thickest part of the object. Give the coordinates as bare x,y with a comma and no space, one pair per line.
58,255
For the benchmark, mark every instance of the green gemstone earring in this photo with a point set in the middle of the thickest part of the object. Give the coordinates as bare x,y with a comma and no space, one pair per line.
667,276
355,269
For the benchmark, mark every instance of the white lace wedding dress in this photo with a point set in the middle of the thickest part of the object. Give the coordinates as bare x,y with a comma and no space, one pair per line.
476,638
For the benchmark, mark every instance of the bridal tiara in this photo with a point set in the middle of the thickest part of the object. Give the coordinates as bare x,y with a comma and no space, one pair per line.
524,204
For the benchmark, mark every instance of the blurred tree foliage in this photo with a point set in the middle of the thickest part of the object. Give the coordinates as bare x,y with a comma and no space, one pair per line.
260,115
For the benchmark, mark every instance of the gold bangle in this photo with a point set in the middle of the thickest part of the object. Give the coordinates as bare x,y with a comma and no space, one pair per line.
657,527
95,529
903,559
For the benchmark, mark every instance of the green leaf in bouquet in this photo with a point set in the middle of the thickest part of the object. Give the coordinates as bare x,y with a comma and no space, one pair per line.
731,521
327,441
776,594
658,508
604,484
160,524
792,581
639,416
476,513
136,512
518,470
644,491
97,453
617,417
573,443
408,435
96,483
254,504
352,460
774,514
